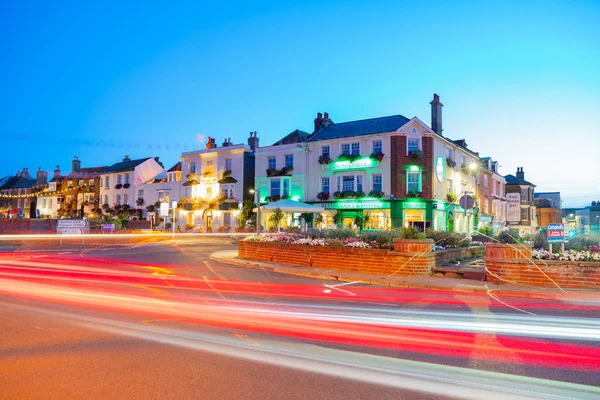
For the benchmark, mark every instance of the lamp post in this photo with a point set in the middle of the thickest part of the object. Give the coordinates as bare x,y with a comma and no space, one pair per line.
257,196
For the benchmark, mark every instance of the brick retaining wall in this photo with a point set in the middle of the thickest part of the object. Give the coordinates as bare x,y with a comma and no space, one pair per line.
343,258
505,263
460,253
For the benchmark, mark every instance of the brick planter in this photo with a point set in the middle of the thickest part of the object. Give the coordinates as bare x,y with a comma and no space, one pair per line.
505,264
343,258
413,245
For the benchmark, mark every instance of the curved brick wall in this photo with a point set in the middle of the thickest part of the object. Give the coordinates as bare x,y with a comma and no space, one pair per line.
505,263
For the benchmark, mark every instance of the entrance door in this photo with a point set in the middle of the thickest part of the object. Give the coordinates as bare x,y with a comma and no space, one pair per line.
450,221
209,218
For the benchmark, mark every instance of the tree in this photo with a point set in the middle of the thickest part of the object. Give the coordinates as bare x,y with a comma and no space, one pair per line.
277,217
318,220
247,213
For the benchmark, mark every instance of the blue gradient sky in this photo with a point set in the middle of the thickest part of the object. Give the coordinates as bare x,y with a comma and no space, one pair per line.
519,80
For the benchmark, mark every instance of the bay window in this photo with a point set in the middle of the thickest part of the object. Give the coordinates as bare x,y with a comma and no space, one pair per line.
227,191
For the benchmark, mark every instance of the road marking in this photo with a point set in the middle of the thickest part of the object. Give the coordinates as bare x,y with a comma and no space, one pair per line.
65,252
336,288
489,292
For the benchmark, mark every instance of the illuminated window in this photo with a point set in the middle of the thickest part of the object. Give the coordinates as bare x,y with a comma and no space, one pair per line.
69,184
413,181
209,192
227,191
377,182
81,183
525,214
91,182
272,163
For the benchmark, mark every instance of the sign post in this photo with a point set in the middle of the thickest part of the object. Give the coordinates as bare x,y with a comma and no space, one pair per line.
173,222
556,234
73,227
164,212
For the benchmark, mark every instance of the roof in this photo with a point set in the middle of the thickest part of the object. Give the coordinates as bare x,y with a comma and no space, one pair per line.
27,183
228,179
191,182
86,173
176,167
126,165
296,136
359,128
512,180
10,182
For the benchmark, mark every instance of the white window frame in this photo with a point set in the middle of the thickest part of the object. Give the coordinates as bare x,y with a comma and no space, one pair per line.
352,148
342,148
285,160
328,152
269,162
419,175
418,139
353,183
278,179
377,175
228,163
373,145
328,184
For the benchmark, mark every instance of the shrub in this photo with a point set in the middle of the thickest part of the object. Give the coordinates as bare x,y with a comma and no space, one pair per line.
323,196
412,233
358,194
286,170
450,162
511,236
377,156
486,230
272,172
583,242
224,228
448,239
376,193
539,239
337,195
451,197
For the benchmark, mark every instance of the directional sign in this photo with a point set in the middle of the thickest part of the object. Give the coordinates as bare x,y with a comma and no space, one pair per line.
108,227
556,233
73,226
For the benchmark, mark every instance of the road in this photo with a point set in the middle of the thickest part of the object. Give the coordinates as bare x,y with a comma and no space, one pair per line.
162,320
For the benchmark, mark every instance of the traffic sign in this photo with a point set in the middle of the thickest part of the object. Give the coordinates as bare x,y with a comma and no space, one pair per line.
73,226
108,227
466,202
164,209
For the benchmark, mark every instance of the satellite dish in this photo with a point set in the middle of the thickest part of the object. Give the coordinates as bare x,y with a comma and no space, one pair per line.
467,202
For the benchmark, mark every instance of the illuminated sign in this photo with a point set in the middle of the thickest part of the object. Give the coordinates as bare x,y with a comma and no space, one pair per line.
354,205
364,162
439,169
52,187
414,205
556,233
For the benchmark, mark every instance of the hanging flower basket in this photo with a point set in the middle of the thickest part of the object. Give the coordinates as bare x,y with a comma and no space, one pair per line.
415,154
414,194
377,156
323,196
324,160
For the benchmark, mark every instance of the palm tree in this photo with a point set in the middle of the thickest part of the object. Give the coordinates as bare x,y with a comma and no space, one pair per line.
337,217
318,220
277,217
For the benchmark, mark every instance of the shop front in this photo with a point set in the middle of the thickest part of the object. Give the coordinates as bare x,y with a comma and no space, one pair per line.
372,213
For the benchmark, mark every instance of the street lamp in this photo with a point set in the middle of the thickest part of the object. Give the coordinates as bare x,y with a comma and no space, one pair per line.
257,195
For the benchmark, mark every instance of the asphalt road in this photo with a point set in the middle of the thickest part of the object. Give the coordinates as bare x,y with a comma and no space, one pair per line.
164,321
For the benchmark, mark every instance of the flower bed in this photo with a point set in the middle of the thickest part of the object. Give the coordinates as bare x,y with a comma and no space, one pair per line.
292,238
569,255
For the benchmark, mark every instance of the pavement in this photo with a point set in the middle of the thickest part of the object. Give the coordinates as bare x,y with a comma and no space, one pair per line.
416,282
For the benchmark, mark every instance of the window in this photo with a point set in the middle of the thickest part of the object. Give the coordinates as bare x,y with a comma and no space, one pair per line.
119,179
125,200
227,191
414,145
289,160
228,163
326,151
127,178
524,195
348,183
464,160
91,182
450,186
359,183
43,203
19,203
525,214
49,203
105,199
413,181
325,184
286,187
275,187
81,183
118,199
227,219
377,182
356,148
141,193
272,163
338,183
377,146
486,182
69,185
187,192
449,153
208,164
192,167
346,149
106,182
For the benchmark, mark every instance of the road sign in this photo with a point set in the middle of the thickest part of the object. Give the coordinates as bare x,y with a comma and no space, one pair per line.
73,226
466,202
174,204
164,209
108,227
556,233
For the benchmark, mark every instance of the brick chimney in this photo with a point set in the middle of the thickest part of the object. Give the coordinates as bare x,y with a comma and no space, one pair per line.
75,164
210,143
436,114
227,142
25,173
326,120
57,172
42,177
253,141
520,174
318,122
